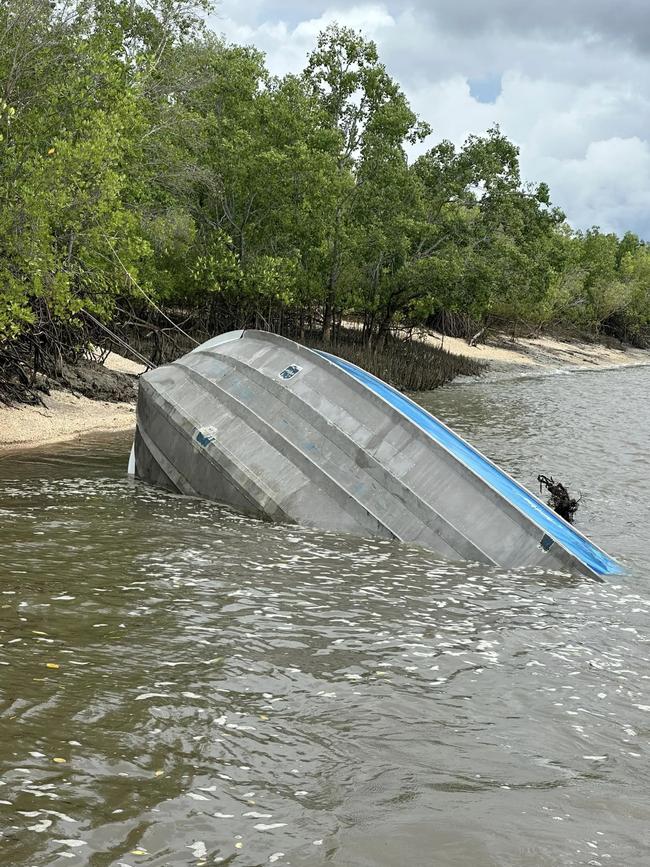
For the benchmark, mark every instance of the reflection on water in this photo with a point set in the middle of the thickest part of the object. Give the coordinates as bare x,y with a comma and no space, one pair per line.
183,686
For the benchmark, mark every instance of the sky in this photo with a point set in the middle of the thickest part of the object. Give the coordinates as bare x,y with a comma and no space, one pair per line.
566,80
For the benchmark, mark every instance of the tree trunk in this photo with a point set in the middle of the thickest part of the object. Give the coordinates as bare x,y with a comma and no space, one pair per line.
328,313
384,328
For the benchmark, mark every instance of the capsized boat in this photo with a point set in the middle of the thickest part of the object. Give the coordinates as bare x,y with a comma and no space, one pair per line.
292,434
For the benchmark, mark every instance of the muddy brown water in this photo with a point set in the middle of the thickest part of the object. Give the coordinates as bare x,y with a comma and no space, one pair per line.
183,686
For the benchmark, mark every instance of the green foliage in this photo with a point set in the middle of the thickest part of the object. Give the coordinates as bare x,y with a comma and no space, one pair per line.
140,154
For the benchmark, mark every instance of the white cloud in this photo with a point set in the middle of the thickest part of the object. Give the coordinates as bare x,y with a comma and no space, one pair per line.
573,82
609,186
287,46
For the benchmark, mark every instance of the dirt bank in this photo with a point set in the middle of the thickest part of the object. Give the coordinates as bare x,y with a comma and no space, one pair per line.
68,415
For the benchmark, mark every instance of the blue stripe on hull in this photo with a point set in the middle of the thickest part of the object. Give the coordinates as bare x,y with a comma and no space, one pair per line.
541,515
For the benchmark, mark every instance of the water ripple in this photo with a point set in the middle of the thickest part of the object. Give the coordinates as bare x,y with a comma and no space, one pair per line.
182,685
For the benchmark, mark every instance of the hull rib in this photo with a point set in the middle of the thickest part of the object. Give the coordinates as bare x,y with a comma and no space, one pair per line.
370,481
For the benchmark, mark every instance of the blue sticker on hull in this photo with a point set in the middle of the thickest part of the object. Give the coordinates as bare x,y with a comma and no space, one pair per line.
204,439
290,372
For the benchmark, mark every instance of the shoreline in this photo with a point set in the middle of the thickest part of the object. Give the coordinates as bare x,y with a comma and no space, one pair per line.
540,355
67,417
64,418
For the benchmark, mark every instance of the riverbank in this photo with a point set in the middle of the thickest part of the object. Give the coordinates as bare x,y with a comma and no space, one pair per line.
541,355
67,416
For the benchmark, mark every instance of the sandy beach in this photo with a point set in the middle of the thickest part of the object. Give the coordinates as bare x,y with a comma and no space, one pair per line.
66,416
540,355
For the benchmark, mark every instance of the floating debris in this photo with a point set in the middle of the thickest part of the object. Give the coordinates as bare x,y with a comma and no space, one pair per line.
560,500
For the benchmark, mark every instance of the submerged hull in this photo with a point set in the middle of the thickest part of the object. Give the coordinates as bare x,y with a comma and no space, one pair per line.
284,432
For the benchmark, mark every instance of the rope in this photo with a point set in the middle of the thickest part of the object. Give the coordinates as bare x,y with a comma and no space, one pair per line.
137,285
148,364
149,300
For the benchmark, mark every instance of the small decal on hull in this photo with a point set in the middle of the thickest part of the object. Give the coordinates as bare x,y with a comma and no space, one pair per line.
546,542
205,437
290,371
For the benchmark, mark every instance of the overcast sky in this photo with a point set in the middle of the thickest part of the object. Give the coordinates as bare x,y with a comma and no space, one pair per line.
567,80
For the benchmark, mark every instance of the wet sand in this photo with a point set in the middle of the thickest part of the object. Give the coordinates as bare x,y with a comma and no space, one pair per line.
65,416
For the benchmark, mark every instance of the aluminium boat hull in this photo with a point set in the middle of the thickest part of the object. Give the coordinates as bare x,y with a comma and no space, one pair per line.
280,431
